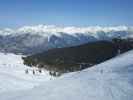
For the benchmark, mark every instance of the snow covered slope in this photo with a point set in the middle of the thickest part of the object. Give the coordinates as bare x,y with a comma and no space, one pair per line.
13,76
111,80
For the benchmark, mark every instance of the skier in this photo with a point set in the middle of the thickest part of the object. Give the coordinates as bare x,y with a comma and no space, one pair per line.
26,71
40,71
33,72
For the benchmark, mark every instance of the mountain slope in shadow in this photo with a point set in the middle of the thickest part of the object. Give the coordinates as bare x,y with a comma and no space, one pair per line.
76,58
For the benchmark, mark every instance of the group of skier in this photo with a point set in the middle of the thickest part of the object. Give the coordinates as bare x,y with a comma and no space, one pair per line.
33,71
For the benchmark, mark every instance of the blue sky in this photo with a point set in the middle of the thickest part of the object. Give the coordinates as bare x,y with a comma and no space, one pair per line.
17,13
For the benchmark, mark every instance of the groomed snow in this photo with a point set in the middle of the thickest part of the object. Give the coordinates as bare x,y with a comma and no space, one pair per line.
111,80
13,76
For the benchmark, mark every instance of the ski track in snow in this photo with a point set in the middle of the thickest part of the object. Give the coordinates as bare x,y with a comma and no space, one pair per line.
110,80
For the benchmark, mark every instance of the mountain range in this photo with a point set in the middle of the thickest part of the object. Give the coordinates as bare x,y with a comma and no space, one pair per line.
35,39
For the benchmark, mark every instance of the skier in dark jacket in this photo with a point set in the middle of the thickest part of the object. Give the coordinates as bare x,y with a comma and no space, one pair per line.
33,72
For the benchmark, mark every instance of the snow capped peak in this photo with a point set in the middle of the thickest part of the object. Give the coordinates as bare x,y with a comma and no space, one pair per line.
52,29
72,29
38,28
6,31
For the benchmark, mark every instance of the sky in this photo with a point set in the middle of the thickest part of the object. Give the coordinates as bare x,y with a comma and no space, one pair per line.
17,13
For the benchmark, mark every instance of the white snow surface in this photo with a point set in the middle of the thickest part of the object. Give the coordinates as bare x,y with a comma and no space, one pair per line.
110,80
13,76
